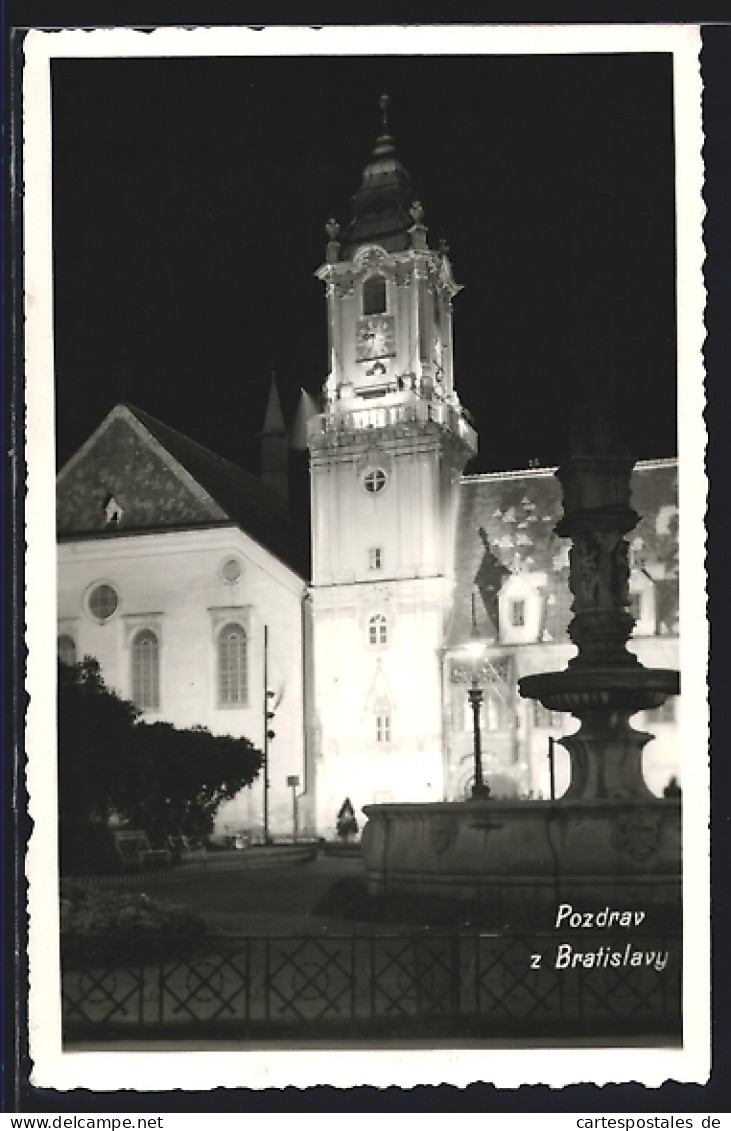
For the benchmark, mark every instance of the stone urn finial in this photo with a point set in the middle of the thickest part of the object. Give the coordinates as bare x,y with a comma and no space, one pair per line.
333,246
417,212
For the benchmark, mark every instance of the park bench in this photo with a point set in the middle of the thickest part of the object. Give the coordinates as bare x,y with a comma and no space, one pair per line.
135,851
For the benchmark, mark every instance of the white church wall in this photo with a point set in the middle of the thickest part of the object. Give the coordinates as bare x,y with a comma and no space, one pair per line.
172,583
378,706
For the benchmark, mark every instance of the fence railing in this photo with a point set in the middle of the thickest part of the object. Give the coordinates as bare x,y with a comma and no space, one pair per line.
248,859
454,984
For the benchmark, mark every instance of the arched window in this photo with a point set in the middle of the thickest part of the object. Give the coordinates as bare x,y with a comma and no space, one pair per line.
374,295
232,666
437,308
378,629
66,647
146,669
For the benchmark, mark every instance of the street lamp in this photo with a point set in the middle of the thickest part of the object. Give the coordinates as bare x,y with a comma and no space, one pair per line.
293,781
476,648
269,734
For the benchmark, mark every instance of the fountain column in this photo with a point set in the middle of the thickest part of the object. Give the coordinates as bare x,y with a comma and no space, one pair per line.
604,684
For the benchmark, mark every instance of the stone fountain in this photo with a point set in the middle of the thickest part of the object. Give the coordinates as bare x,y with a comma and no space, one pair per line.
604,684
608,842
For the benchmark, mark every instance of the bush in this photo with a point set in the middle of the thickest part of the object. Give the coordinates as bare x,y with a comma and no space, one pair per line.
87,848
123,927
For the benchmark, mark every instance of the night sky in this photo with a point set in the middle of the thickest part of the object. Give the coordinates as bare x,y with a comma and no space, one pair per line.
190,197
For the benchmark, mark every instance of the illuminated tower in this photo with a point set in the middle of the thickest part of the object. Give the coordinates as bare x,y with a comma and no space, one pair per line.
386,456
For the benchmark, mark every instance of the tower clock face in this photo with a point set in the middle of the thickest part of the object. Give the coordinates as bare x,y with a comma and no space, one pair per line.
375,337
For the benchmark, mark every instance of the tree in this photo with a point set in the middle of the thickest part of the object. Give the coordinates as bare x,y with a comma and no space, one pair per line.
183,776
159,778
95,741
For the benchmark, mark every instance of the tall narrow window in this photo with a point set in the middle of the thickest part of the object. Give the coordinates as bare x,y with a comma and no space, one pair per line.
491,711
374,295
66,646
517,613
378,629
146,669
383,728
374,557
232,666
437,308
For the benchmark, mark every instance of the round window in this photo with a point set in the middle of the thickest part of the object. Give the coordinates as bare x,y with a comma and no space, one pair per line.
375,481
103,602
231,570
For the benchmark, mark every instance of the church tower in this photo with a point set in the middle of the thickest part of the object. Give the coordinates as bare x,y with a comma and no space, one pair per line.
386,455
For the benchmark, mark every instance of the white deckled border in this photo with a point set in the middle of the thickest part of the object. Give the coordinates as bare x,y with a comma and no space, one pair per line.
231,1067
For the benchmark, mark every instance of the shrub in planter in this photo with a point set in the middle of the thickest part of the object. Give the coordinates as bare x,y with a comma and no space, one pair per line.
123,927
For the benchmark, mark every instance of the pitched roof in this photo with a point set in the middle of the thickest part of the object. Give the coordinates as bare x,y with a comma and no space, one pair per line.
161,479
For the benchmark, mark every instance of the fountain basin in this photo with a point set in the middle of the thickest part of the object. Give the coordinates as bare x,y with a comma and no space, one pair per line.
525,858
578,689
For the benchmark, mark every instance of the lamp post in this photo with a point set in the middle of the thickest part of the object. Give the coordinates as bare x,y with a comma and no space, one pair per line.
268,733
293,781
476,648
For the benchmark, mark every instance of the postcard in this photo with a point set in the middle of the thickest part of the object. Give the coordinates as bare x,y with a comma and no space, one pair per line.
365,498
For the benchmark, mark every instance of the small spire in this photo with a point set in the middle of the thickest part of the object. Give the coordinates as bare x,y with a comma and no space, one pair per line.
383,102
273,419
384,142
417,212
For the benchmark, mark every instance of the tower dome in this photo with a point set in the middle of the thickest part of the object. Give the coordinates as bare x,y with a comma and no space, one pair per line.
381,205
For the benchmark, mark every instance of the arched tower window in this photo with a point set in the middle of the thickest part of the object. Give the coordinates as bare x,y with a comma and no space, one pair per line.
374,295
232,666
437,308
378,629
66,647
146,669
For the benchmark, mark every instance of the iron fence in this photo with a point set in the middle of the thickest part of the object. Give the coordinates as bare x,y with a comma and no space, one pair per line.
250,859
310,986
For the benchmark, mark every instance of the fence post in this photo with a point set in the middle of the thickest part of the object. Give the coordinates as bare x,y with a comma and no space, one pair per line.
456,974
478,982
266,979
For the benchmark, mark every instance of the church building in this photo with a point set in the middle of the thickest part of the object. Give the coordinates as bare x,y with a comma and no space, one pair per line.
180,572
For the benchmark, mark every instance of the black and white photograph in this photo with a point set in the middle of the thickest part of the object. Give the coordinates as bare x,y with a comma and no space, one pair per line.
364,412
